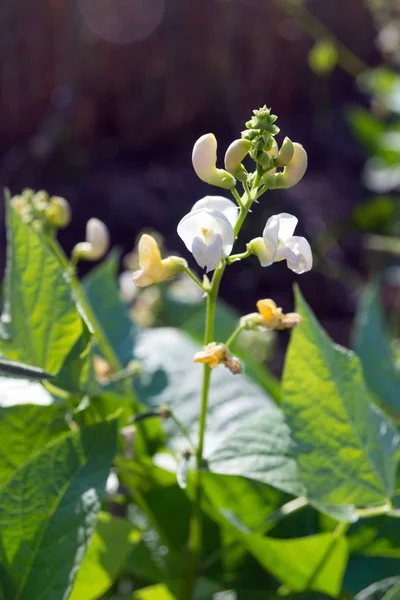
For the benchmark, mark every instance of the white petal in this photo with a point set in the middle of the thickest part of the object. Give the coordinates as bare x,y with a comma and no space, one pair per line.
298,255
270,236
214,221
199,249
204,156
214,253
98,236
224,205
287,225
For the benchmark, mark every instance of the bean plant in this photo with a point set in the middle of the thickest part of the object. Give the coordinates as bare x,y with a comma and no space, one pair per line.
166,462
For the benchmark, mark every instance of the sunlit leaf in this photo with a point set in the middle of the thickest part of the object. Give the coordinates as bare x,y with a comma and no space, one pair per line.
40,323
344,445
372,344
105,558
48,511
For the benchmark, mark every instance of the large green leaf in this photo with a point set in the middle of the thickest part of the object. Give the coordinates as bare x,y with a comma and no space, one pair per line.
102,292
372,344
315,562
40,322
48,511
344,445
24,430
154,592
261,449
105,558
170,377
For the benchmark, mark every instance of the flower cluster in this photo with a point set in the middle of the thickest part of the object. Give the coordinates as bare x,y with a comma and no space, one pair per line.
210,229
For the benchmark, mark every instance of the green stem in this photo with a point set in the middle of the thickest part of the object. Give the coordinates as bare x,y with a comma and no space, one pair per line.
235,257
237,197
182,429
195,530
91,319
194,278
234,335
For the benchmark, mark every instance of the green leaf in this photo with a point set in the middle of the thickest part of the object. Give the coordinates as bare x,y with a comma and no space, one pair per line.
170,377
154,592
76,375
381,590
315,562
40,322
372,344
24,430
48,511
261,449
105,558
323,57
345,446
102,292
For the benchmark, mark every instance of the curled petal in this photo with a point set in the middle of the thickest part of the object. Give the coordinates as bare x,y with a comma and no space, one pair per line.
204,159
224,205
265,253
295,169
298,255
152,268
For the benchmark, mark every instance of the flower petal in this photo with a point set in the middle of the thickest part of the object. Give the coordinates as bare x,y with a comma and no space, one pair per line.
270,238
199,249
214,253
149,253
224,205
287,225
213,221
298,254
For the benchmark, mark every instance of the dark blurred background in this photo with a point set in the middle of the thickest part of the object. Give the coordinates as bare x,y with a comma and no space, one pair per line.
102,100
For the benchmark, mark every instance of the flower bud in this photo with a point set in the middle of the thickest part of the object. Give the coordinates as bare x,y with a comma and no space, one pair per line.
294,170
234,155
285,153
252,321
96,244
204,159
58,212
153,269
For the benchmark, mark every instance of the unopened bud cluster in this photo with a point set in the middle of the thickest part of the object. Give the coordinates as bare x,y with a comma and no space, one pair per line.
41,211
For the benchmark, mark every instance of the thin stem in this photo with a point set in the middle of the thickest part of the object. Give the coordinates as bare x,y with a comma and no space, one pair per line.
237,197
235,257
195,530
234,335
182,429
197,281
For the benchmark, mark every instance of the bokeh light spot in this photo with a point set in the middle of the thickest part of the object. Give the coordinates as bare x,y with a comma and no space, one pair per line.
122,21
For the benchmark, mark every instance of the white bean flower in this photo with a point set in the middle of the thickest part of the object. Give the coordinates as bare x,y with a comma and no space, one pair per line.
278,243
208,232
224,205
96,244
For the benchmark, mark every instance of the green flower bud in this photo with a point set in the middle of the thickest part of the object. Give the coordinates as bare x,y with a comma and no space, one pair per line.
58,212
292,173
285,153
